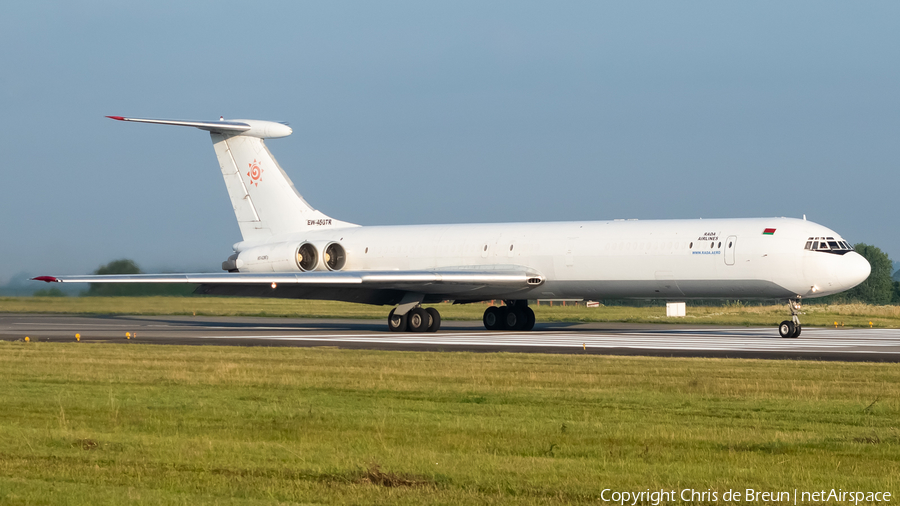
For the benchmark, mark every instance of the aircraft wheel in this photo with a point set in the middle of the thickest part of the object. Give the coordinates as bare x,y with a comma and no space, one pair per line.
434,320
796,331
786,329
529,318
491,318
418,320
504,317
397,323
515,319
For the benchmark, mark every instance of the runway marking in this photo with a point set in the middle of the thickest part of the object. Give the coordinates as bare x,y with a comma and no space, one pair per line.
686,341
568,337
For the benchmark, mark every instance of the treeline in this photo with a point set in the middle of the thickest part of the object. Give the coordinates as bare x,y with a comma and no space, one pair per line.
124,266
879,288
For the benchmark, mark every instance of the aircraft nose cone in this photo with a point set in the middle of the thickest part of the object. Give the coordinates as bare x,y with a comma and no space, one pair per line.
854,270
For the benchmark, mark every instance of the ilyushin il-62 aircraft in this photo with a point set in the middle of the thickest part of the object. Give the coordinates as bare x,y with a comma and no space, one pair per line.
291,250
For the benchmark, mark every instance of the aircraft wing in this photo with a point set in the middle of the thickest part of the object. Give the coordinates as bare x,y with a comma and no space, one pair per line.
445,282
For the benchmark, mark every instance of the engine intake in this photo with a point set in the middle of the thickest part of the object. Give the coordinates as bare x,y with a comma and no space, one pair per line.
307,257
335,257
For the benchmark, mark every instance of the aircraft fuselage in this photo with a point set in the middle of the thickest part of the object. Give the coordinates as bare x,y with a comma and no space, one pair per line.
661,259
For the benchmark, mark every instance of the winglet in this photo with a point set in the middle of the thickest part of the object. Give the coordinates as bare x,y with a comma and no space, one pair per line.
48,279
119,118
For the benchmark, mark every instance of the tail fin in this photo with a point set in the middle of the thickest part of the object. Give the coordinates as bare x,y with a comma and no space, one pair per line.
265,201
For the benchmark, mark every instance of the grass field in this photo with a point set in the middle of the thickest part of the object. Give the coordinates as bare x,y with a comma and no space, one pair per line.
138,424
853,315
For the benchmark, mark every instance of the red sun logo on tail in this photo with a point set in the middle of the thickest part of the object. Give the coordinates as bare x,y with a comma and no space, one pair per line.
255,173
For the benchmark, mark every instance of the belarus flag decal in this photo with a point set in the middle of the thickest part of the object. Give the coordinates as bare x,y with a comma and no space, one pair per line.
769,231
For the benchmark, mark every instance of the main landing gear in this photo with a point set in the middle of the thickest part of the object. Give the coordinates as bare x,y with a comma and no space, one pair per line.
791,328
417,319
515,315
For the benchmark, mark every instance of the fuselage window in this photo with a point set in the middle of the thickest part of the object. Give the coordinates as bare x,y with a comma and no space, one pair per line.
729,245
720,244
691,246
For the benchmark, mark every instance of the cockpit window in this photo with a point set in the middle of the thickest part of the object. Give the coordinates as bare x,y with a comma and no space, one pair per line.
828,244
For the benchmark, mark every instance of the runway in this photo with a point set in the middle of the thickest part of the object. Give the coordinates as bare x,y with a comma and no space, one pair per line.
882,345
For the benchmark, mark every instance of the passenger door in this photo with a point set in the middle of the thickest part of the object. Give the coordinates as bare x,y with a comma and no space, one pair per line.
730,244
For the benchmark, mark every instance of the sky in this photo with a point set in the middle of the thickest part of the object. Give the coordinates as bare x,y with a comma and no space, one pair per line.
454,112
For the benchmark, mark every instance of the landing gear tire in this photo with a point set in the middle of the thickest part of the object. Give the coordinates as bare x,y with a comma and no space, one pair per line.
786,329
515,319
529,319
504,316
491,318
796,331
510,317
418,320
397,323
434,320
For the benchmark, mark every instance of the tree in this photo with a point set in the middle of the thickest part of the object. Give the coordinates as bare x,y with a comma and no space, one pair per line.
126,266
122,266
878,288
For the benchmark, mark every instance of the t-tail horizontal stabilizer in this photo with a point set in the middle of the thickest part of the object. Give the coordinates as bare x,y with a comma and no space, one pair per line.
250,127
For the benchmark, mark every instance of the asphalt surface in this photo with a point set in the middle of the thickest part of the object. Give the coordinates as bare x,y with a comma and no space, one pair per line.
596,338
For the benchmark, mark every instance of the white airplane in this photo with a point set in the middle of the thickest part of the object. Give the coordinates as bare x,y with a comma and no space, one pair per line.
291,250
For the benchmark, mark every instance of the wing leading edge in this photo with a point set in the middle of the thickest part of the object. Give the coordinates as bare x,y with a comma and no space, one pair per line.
446,282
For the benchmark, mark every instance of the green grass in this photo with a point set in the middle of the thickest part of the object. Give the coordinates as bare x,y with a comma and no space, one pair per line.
138,424
851,315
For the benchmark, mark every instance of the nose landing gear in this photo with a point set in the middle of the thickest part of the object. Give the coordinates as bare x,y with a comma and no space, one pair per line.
791,328
515,315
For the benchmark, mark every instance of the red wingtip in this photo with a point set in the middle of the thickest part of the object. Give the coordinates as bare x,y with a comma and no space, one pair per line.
48,279
120,118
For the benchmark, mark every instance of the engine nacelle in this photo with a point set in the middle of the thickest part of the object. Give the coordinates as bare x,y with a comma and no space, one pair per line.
288,257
